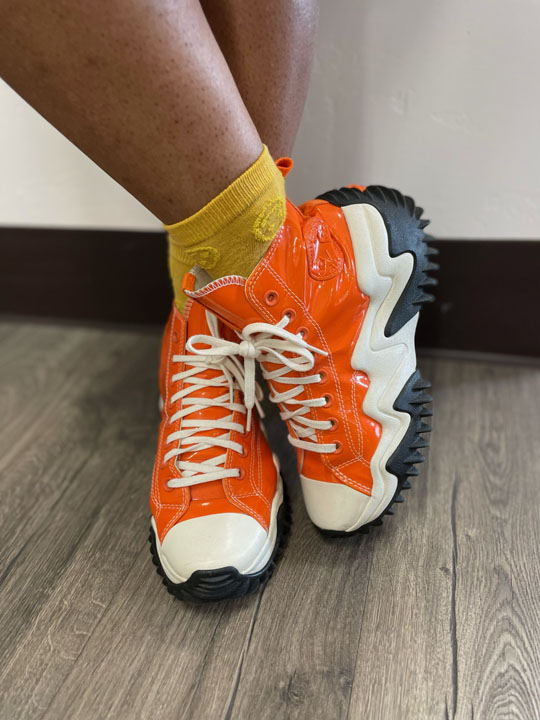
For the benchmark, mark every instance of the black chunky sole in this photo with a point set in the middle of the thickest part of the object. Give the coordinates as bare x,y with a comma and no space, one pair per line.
204,586
405,227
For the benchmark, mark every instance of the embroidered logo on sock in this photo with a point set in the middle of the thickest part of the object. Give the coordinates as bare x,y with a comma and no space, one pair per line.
269,220
206,257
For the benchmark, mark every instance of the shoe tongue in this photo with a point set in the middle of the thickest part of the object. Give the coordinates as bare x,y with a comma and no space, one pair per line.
226,298
235,299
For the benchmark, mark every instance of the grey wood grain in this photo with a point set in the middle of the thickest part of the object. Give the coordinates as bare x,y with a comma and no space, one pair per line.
434,615
404,661
496,520
457,638
79,462
299,660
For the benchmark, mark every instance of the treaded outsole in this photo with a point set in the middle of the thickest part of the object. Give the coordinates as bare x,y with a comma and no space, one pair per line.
416,402
405,227
226,583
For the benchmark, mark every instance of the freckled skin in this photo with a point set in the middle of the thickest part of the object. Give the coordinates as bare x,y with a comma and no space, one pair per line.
268,47
142,87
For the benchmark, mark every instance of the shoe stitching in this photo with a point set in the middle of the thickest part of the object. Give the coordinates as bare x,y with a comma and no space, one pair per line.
325,347
356,415
235,499
289,292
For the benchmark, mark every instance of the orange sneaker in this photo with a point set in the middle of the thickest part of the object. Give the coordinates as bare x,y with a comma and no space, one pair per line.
218,516
331,312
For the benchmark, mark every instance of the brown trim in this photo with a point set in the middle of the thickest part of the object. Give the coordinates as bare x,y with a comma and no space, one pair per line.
97,275
488,299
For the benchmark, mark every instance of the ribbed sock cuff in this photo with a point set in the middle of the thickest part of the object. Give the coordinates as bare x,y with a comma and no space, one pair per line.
262,181
230,234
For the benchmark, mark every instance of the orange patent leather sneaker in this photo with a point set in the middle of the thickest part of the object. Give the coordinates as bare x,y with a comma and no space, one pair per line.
218,516
331,312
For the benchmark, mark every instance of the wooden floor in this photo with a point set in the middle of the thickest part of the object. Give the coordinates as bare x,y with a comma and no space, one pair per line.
435,615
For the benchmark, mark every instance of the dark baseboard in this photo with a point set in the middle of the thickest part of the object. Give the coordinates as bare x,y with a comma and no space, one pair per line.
92,275
488,299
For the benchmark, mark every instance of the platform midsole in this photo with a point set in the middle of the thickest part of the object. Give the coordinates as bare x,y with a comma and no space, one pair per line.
388,361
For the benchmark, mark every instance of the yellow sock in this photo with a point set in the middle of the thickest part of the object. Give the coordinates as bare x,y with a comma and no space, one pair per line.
230,234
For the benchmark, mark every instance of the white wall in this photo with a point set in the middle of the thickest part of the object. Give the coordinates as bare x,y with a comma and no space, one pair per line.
439,98
47,181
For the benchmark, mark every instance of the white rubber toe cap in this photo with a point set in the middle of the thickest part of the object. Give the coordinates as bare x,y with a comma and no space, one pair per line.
214,541
333,506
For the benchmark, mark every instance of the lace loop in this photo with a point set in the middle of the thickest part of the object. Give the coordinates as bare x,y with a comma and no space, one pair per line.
274,345
191,437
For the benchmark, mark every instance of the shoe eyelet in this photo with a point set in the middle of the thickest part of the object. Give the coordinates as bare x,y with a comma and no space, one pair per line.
244,451
175,336
303,332
335,424
323,375
241,473
291,314
329,400
339,448
271,298
167,487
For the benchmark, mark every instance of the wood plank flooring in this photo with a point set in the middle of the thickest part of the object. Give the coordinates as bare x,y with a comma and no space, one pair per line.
435,615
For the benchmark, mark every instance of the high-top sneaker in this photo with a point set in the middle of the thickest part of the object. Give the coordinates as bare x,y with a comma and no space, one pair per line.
331,312
218,516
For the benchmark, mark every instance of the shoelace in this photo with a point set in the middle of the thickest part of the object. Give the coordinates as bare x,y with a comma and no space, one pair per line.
188,439
269,343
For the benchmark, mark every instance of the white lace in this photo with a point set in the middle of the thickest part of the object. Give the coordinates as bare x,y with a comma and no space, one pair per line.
269,343
188,439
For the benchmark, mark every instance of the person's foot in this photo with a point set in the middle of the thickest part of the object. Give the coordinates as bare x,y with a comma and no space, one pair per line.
218,514
331,312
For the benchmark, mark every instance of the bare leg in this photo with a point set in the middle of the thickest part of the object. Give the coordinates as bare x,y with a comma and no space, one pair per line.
268,46
141,86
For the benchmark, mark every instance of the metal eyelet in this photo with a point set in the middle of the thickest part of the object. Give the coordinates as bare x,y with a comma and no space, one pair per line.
323,375
271,298
241,473
291,314
329,398
303,332
339,448
167,487
335,424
